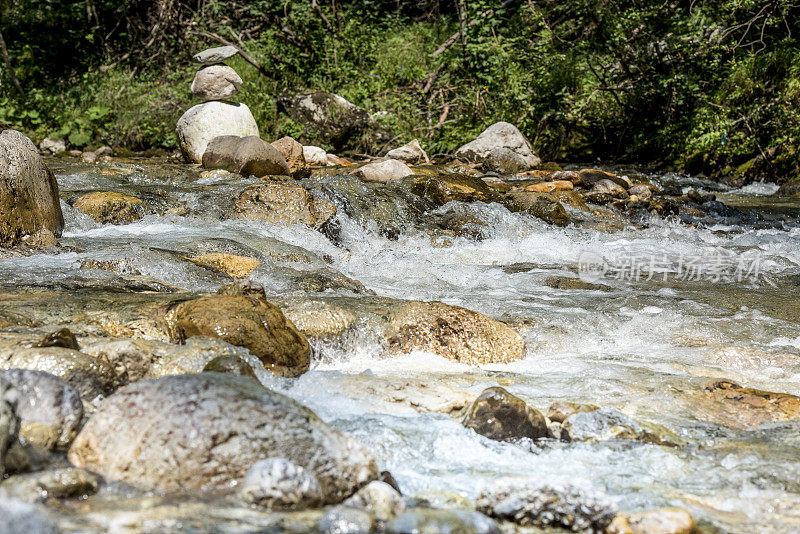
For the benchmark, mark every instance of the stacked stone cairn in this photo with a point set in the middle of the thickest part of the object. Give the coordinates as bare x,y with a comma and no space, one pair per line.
219,133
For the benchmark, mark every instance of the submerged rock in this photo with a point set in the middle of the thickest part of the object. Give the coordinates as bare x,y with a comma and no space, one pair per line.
559,411
660,521
444,188
29,201
277,483
107,207
283,203
605,424
345,520
206,430
219,54
320,319
216,82
529,504
734,406
60,338
549,187
248,156
455,333
499,415
423,520
229,364
499,135
59,483
203,122
331,120
245,321
411,152
49,409
384,171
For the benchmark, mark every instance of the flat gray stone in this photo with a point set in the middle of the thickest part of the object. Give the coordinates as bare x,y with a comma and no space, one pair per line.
219,54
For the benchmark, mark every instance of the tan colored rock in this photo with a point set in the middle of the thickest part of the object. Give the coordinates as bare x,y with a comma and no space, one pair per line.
108,207
544,206
204,431
560,410
499,415
734,406
248,156
381,172
230,264
455,333
245,321
320,319
292,152
29,200
548,187
216,82
283,203
663,521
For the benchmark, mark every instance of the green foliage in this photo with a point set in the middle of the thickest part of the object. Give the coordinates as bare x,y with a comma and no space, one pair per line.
639,80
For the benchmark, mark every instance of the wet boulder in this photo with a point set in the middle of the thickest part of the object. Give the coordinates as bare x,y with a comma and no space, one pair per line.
206,430
292,152
606,424
527,503
108,207
411,153
229,364
216,82
90,376
9,423
543,206
452,332
444,188
497,136
320,319
248,156
29,203
735,406
49,409
607,187
499,415
60,338
380,172
283,203
331,120
58,483
203,122
247,321
587,178
210,56
277,483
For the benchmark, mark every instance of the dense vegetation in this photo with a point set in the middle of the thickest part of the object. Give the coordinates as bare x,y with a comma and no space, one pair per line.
709,84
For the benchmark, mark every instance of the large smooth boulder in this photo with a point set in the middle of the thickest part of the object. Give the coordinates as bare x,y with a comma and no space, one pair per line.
527,503
49,409
283,203
452,332
247,321
29,201
108,207
216,82
203,122
218,54
331,120
409,153
384,171
499,415
499,135
248,156
206,430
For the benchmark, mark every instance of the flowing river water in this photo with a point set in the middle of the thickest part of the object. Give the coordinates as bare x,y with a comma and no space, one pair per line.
643,347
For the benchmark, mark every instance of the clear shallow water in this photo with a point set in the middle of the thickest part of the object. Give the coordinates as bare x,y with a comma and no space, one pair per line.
641,347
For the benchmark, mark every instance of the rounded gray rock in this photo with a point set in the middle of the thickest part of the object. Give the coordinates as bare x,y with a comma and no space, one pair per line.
216,82
204,431
279,483
50,410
